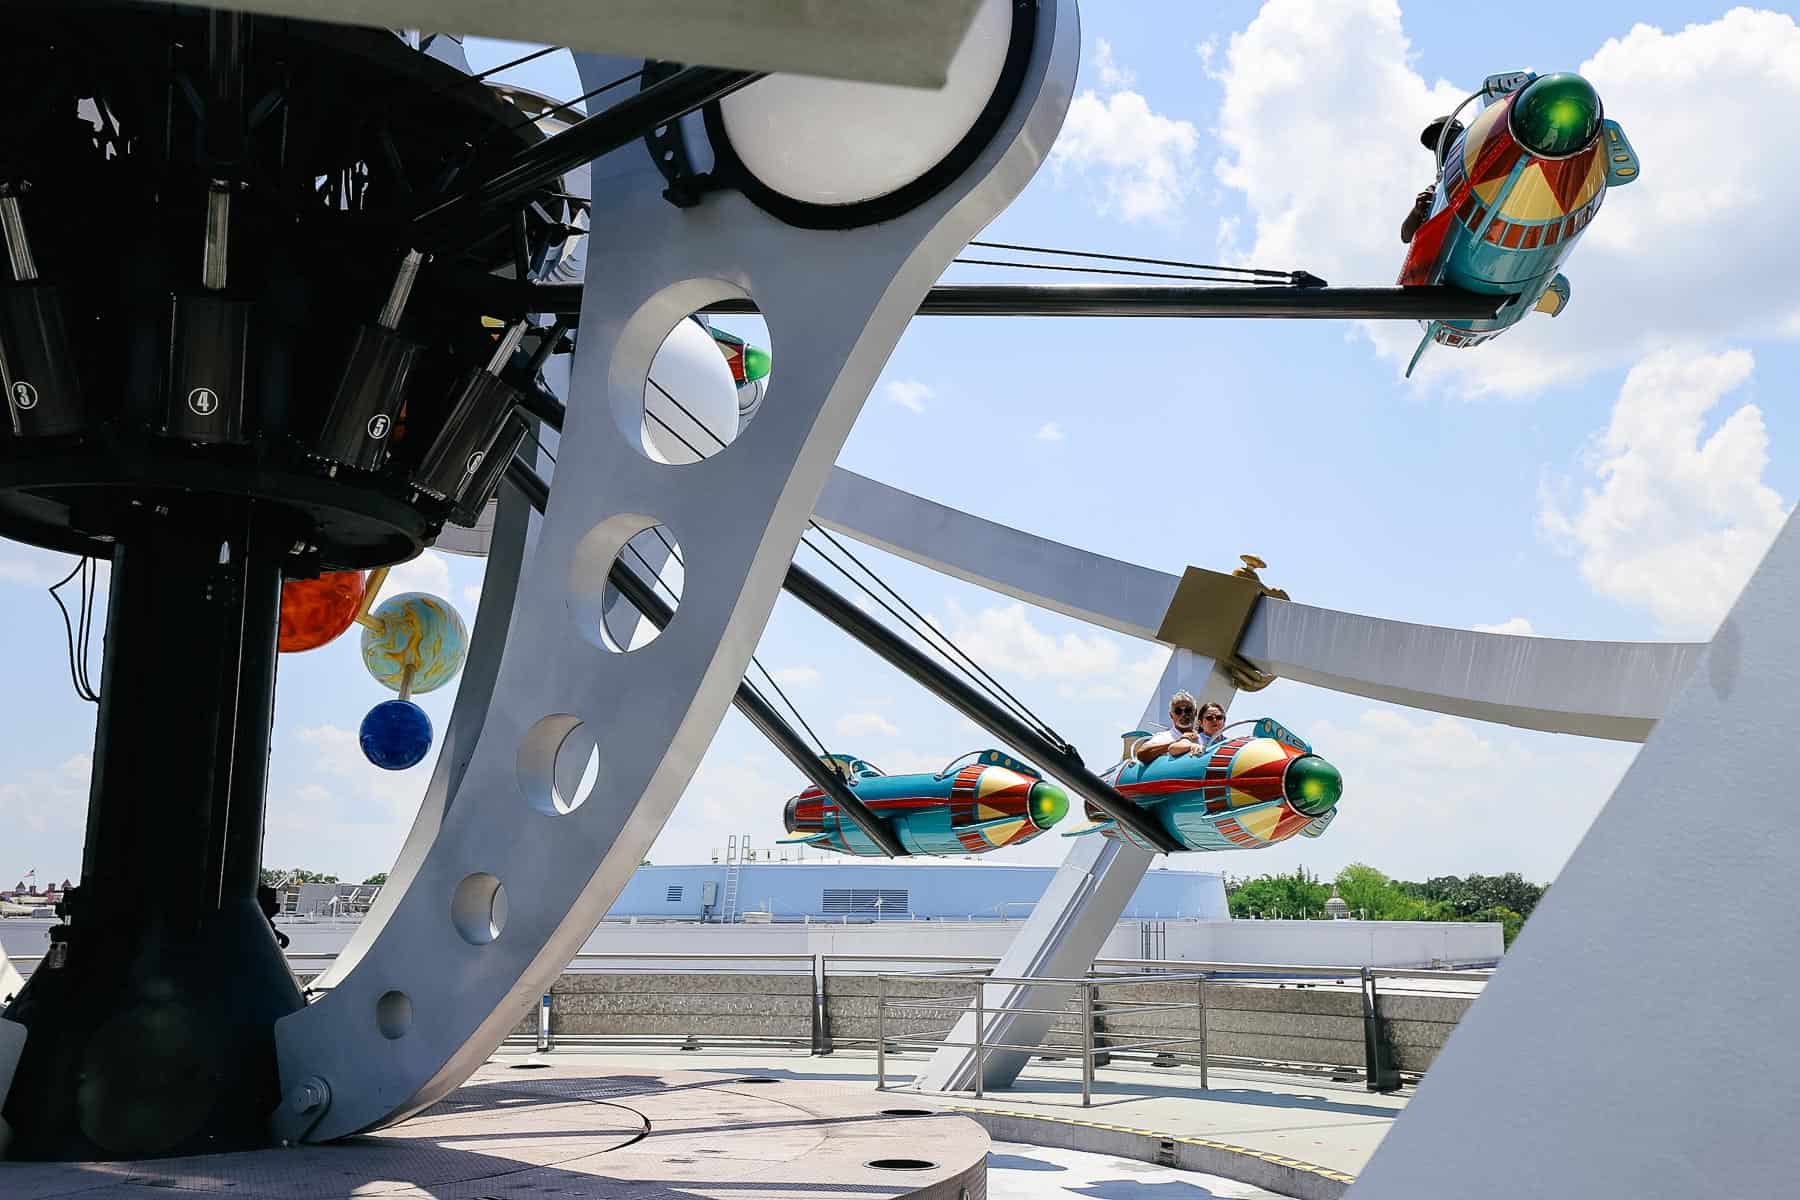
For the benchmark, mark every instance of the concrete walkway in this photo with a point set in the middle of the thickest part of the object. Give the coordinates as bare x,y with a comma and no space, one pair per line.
1312,1120
1021,1172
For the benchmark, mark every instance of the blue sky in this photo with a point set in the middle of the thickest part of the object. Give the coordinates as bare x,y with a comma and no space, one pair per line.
1615,473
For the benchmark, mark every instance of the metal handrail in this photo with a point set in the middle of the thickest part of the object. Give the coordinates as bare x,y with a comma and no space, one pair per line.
1151,969
1084,990
963,974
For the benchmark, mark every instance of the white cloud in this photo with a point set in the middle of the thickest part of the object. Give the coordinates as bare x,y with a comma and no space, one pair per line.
29,572
430,572
1095,667
735,794
471,595
1050,431
909,394
1317,93
1682,253
1680,518
334,750
797,677
1520,626
864,724
1138,163
1112,75
48,800
331,810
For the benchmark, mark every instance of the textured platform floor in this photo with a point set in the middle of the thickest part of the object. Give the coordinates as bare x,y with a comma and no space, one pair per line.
1017,1171
568,1131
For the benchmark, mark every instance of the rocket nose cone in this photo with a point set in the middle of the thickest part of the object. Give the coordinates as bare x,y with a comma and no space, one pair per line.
756,363
789,814
1556,115
1047,804
1312,785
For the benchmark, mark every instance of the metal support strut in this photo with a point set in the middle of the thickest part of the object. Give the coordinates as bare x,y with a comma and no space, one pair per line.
151,1021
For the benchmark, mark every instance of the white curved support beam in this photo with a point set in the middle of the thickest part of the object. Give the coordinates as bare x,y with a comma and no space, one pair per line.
1108,592
1615,690
451,961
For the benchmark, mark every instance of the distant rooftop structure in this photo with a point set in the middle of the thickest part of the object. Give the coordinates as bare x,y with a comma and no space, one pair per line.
866,892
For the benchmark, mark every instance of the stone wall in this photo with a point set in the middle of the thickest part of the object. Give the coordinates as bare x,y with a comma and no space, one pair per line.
1296,1024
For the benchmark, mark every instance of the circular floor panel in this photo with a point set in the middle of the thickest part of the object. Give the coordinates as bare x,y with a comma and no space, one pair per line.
564,1131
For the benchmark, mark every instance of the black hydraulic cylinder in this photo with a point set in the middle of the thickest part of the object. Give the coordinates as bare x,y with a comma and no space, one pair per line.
205,400
1061,760
43,389
481,488
540,165
483,402
767,721
151,1026
369,395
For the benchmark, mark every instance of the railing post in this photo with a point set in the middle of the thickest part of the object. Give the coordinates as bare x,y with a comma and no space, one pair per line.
881,1033
1087,1041
1378,1062
980,1047
1204,1048
821,1018
544,1043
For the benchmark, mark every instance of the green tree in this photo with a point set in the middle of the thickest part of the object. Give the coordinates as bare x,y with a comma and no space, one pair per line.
1270,896
273,876
1374,897
379,877
1470,894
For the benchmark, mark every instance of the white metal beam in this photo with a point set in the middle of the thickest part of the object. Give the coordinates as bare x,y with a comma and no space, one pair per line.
875,41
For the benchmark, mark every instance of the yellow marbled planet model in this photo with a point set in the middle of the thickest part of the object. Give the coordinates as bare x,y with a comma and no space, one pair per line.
418,630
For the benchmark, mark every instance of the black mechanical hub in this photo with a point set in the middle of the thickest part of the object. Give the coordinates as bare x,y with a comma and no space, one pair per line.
215,282
230,356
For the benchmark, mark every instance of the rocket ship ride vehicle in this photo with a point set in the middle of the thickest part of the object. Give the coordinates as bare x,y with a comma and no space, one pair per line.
1242,794
983,801
1514,192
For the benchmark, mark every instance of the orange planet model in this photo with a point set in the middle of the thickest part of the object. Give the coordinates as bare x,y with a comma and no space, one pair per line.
314,611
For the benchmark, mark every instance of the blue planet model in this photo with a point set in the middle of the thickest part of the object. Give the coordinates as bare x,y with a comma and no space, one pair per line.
395,735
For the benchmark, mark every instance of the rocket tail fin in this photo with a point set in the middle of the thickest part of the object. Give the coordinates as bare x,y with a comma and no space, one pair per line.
1621,159
1430,333
1096,827
1318,825
814,837
1555,297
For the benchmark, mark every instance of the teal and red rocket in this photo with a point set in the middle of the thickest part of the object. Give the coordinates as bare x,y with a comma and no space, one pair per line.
1242,793
980,802
1516,190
